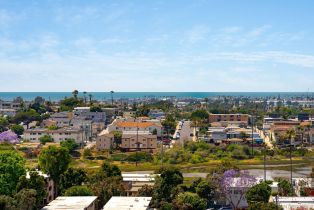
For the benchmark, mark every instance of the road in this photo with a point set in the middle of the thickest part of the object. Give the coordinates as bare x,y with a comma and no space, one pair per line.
185,132
266,139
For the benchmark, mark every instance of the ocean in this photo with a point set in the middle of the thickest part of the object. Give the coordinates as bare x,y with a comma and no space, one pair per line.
56,96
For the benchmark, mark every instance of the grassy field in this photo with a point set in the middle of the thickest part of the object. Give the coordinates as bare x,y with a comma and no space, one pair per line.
92,165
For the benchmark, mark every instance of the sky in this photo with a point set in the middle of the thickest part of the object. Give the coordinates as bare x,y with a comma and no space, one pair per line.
156,45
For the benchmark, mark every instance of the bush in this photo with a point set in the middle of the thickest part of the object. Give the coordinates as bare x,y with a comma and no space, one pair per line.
78,191
46,138
140,157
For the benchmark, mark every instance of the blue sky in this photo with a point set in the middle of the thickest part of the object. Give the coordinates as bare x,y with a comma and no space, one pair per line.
154,45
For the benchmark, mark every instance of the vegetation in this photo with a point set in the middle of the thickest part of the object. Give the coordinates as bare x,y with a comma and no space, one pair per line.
18,129
11,168
78,191
46,138
54,161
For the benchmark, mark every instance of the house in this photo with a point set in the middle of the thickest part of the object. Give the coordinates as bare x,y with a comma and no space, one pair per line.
58,135
72,203
133,182
49,186
288,203
156,114
8,112
279,128
84,112
134,125
128,203
241,119
131,141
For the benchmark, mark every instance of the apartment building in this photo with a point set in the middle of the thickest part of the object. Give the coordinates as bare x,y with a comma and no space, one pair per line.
133,182
134,125
239,118
58,135
131,141
72,203
84,112
279,128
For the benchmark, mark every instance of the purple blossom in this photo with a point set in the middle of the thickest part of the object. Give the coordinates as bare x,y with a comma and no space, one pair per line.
9,136
236,181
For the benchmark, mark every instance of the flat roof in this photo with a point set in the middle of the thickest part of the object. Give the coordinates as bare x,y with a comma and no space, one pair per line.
128,203
70,203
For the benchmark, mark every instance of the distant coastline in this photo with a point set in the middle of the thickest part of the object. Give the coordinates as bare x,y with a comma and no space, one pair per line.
56,96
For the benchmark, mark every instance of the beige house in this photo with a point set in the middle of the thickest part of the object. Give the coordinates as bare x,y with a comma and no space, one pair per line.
131,141
58,135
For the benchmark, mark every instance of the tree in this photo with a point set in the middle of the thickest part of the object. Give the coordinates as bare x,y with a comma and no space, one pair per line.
169,178
117,138
87,152
90,98
290,135
78,191
237,180
110,170
35,182
26,199
3,124
169,123
190,201
68,104
205,190
259,193
146,191
46,138
84,93
18,129
264,206
7,202
284,188
72,177
75,93
70,144
26,116
11,168
54,161
154,131
201,114
95,109
107,182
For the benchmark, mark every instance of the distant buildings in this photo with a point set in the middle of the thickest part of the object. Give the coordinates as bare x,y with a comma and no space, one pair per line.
131,141
239,119
72,203
128,203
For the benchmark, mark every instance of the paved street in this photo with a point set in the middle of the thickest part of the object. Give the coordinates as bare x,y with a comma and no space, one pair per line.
185,132
266,139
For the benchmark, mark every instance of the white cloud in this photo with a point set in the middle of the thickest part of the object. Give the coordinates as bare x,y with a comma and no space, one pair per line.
197,33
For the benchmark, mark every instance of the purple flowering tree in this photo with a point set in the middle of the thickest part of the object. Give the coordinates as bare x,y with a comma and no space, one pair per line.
234,185
9,136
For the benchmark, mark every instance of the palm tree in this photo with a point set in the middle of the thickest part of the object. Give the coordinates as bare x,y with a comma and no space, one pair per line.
111,92
75,93
90,98
84,97
290,134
